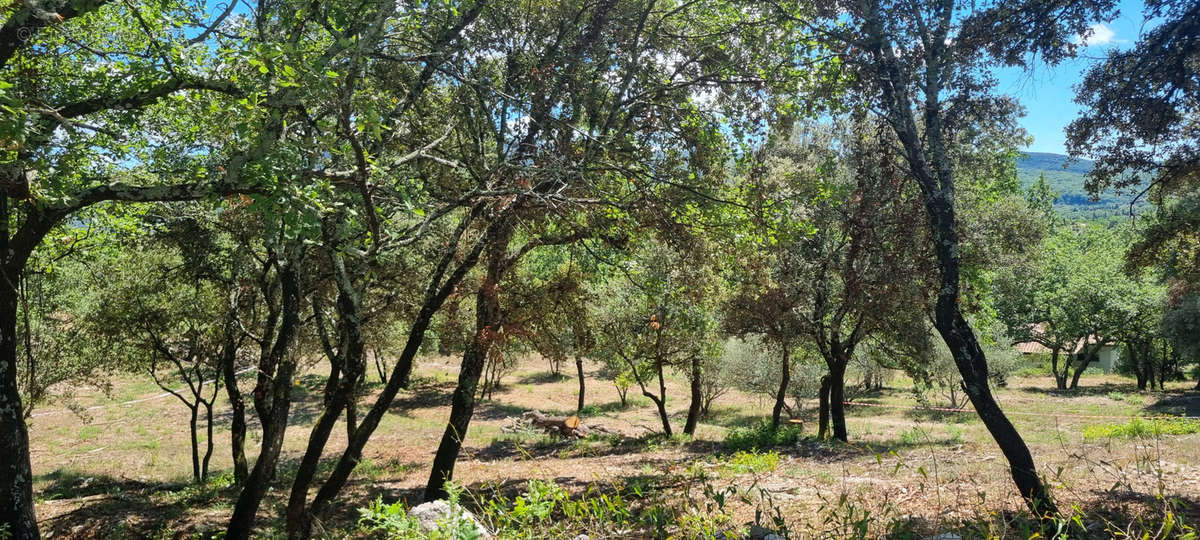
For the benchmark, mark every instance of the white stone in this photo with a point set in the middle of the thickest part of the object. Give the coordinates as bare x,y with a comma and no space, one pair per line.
437,514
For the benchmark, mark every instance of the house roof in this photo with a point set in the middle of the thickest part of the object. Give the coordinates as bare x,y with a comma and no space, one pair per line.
1031,347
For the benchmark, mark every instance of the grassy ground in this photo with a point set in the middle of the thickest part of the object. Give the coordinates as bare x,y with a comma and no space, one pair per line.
118,470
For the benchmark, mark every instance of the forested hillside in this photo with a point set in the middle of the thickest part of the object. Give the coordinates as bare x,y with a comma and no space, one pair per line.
1066,177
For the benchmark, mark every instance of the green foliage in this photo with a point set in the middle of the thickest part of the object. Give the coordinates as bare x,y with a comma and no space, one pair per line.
1067,182
762,436
394,521
1076,291
658,316
1181,325
546,510
1139,428
750,462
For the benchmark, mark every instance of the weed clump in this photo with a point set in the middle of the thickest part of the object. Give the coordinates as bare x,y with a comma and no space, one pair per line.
1139,428
762,436
743,462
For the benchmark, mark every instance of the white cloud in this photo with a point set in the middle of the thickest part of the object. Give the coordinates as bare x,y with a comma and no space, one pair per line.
1098,34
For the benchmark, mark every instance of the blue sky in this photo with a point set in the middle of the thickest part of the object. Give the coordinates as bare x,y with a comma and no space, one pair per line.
1048,93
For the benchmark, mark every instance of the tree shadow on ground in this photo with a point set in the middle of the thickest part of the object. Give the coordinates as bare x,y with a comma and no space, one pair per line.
109,507
733,417
907,443
72,484
927,415
543,377
863,408
536,445
598,409
424,396
1134,510
306,405
1083,391
825,451
494,410
1186,404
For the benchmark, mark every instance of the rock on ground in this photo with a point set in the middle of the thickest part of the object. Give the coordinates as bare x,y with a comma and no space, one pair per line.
437,514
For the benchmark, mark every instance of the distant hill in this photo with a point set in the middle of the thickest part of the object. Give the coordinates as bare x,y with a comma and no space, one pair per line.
1066,177
1042,161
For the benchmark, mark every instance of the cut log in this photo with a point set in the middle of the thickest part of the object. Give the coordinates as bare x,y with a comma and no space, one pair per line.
569,426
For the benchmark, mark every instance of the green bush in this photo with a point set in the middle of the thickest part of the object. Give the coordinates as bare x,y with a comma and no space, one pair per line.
1139,428
762,436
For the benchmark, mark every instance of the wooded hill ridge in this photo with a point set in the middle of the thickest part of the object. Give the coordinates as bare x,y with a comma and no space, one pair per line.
1066,178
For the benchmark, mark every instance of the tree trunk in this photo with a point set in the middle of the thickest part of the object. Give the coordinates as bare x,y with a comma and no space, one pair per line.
1160,367
1060,379
837,399
351,359
1135,363
237,426
435,295
785,378
488,321
461,409
379,366
930,164
16,477
1081,363
660,401
299,521
823,408
195,442
273,405
660,405
973,367
697,402
208,451
582,387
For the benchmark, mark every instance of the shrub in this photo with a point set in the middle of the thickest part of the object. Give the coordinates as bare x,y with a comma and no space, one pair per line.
762,436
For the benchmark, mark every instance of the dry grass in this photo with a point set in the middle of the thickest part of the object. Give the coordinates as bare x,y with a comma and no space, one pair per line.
123,469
